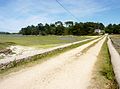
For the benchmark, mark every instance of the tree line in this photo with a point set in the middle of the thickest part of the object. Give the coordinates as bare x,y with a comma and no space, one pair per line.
4,33
69,28
113,29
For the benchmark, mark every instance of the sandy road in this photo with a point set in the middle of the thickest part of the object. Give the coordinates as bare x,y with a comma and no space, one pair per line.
69,70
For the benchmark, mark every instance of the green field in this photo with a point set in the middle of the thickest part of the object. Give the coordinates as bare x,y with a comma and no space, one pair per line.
116,42
38,41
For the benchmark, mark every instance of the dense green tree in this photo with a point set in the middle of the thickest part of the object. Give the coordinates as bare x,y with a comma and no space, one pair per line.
113,29
109,29
70,28
58,23
69,23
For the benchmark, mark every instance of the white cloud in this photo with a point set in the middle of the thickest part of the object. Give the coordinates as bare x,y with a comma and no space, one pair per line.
23,13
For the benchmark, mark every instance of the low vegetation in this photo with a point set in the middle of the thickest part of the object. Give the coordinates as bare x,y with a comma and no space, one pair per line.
103,75
38,41
3,45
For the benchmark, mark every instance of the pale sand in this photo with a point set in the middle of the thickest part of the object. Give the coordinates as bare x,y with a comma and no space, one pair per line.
69,70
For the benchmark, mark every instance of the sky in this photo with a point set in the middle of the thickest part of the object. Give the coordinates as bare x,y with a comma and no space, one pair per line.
17,14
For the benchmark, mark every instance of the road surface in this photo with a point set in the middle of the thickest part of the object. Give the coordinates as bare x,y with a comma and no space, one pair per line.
69,70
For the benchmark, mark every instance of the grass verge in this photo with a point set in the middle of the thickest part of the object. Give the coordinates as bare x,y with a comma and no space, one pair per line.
41,41
37,59
5,44
103,75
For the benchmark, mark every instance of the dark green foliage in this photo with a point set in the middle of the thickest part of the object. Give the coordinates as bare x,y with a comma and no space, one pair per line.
69,28
113,29
58,28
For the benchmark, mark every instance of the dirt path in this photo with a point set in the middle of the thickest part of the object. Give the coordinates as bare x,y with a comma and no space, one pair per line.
70,70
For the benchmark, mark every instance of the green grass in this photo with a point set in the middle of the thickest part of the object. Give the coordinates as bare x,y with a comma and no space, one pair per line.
5,44
40,41
46,46
38,59
107,69
103,75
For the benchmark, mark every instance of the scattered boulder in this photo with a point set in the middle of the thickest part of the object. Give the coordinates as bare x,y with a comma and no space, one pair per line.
5,51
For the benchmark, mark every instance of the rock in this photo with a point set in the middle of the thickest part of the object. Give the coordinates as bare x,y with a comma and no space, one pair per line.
5,51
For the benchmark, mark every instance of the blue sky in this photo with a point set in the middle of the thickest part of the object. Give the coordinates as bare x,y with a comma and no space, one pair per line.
15,14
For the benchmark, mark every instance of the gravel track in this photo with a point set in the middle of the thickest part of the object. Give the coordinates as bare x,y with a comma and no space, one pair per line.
69,70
